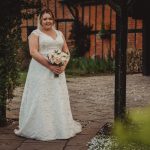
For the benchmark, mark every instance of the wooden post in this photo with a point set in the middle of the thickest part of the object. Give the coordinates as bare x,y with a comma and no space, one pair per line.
3,96
3,120
146,47
120,71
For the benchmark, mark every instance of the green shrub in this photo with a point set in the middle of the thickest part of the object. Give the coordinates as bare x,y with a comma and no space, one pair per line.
132,134
80,33
84,66
24,56
136,130
10,42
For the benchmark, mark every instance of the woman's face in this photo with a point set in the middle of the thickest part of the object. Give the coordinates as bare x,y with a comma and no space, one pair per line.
47,21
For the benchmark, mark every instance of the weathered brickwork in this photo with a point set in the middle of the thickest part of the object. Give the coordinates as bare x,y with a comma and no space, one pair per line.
98,47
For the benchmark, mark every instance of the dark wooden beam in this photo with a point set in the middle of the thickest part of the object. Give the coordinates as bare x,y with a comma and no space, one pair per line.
138,9
135,26
92,2
82,8
95,29
83,2
115,6
120,66
64,20
72,6
146,47
114,31
3,120
71,10
103,11
110,21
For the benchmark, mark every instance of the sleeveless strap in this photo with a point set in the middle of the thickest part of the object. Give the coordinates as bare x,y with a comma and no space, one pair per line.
35,32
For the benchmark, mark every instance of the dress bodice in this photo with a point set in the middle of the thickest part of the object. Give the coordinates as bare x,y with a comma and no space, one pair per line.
47,43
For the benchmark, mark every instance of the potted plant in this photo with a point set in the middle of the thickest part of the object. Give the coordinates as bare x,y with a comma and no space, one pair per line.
103,33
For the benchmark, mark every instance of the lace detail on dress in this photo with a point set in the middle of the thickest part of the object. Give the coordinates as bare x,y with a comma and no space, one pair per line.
45,112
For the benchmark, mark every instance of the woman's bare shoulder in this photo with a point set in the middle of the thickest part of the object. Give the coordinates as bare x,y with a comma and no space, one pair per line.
34,33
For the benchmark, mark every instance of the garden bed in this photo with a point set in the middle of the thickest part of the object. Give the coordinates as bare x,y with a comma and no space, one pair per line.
105,140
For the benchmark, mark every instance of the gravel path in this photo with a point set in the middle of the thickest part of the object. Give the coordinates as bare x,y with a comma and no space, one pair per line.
92,98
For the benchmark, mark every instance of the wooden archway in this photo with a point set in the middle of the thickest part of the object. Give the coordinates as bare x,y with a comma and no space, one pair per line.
124,8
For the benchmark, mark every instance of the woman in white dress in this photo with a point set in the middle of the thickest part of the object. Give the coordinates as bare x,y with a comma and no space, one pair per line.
45,112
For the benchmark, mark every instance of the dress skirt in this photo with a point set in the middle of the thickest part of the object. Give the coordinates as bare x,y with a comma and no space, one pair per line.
45,112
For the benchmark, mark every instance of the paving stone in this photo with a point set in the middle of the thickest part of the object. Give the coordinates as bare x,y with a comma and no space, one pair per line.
76,148
9,144
89,131
80,140
10,136
38,141
41,146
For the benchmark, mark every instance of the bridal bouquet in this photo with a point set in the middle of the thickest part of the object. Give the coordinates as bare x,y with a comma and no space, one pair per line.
58,58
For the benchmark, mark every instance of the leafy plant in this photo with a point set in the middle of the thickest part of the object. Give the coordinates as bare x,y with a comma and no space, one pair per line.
84,66
24,56
136,130
103,33
81,35
11,13
132,134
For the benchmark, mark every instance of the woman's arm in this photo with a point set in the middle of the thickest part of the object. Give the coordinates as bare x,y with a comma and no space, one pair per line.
33,47
65,46
66,50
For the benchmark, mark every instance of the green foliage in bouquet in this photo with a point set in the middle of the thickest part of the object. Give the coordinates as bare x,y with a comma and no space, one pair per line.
11,13
71,2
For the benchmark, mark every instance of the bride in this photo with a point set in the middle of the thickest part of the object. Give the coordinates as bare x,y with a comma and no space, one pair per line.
45,112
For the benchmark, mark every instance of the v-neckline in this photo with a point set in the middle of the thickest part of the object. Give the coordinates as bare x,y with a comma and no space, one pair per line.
50,35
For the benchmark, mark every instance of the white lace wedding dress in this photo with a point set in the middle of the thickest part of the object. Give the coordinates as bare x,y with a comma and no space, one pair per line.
45,112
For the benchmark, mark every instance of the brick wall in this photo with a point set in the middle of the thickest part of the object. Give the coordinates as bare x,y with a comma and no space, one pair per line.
92,16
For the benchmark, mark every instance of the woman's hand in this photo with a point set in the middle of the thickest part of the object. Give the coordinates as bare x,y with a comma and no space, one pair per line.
55,69
62,68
